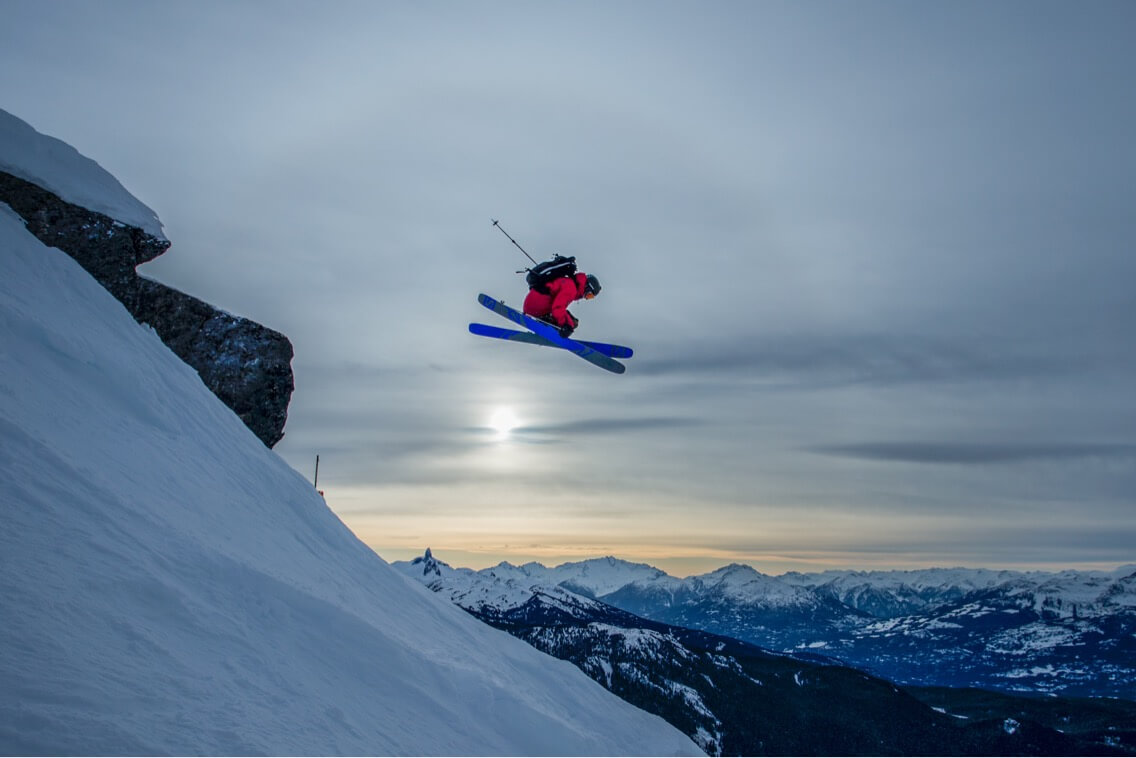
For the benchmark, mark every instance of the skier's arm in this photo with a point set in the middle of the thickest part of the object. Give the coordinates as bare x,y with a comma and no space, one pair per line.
564,292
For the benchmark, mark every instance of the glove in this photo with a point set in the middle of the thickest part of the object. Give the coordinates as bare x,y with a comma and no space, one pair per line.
569,326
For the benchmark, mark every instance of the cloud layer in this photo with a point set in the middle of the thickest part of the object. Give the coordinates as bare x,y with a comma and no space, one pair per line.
874,259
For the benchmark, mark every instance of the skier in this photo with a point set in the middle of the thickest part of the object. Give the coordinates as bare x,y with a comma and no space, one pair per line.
549,301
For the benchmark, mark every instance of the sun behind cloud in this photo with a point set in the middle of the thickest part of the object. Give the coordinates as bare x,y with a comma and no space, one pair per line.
503,421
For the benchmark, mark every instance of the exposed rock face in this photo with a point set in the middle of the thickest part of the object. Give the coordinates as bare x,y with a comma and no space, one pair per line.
109,250
247,366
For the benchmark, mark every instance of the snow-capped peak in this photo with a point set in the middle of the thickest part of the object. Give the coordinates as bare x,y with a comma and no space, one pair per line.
429,564
747,585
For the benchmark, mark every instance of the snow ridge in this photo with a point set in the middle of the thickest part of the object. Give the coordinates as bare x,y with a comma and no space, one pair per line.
56,166
911,590
1056,632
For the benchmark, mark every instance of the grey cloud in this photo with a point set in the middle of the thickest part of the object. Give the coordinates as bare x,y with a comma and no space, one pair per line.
836,360
607,425
1054,544
849,243
974,452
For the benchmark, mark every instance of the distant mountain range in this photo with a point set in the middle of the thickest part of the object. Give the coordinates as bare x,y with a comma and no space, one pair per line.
1069,632
736,697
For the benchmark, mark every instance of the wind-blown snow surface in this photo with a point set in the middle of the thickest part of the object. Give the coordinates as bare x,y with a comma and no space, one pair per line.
170,585
56,166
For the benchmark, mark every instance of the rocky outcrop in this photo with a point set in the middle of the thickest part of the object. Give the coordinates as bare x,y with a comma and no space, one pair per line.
109,250
247,366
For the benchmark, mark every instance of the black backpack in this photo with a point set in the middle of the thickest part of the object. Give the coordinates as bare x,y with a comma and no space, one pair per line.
541,274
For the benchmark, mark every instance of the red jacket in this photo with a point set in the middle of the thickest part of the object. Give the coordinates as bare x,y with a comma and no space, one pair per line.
554,306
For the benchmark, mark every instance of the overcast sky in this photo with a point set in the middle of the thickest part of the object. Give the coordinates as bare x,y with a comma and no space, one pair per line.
877,261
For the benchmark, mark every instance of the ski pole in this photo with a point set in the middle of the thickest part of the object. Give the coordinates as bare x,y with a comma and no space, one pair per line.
512,240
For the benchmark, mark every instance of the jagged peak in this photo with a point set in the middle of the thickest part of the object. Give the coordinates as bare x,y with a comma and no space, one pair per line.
429,564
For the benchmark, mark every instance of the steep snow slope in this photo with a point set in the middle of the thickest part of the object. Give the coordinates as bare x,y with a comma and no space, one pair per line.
169,585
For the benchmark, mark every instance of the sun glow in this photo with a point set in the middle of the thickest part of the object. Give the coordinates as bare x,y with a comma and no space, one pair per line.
503,421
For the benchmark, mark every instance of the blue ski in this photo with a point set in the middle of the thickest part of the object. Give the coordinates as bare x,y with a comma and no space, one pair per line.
513,335
552,336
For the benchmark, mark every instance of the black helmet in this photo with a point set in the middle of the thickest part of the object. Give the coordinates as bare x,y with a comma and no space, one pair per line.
592,286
